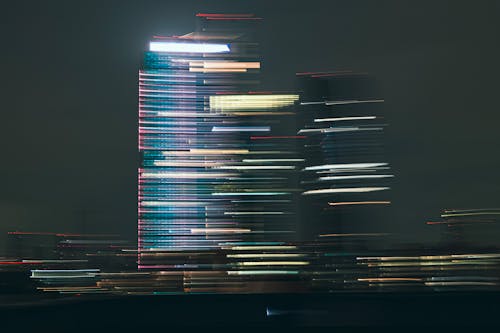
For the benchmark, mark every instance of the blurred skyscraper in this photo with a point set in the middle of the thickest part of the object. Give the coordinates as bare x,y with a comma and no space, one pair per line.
217,166
346,178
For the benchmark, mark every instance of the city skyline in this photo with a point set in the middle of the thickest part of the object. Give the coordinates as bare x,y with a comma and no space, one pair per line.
249,164
68,192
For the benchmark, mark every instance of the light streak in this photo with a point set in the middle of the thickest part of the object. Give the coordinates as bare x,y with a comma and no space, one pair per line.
250,102
345,102
338,129
254,213
469,214
188,47
345,190
266,255
262,247
349,203
184,175
263,272
249,193
355,235
273,263
220,231
241,129
344,166
320,120
256,167
389,279
355,177
270,160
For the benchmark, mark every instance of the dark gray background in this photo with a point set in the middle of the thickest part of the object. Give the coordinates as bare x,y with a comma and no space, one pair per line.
69,99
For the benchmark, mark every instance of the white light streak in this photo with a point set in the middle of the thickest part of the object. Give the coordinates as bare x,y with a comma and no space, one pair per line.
220,231
266,255
346,190
344,166
257,167
242,129
266,272
273,160
273,263
354,177
321,120
190,175
248,193
188,47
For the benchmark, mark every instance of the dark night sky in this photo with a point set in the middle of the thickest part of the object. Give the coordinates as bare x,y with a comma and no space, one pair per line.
69,98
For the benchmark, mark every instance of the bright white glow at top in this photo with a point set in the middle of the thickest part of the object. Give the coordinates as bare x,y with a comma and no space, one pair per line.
188,47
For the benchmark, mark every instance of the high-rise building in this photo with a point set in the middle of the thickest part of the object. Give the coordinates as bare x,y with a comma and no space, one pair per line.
218,165
346,178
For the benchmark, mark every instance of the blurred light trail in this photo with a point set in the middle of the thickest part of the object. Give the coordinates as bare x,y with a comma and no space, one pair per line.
188,47
349,203
345,190
321,120
344,166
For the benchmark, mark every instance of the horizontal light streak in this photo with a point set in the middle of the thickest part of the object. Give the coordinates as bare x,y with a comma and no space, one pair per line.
345,190
256,167
271,160
174,203
188,175
351,203
54,261
177,114
250,102
460,283
320,120
344,166
254,213
355,177
63,273
430,263
261,247
469,214
349,170
219,231
188,163
352,101
188,47
273,263
389,279
217,70
224,64
241,129
371,234
203,152
206,152
217,66
266,255
263,272
249,193
338,129
433,257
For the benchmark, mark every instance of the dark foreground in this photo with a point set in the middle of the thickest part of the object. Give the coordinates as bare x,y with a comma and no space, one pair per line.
353,310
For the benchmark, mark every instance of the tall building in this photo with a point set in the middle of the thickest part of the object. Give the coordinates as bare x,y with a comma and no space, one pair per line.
346,178
218,165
